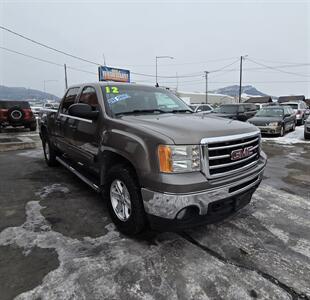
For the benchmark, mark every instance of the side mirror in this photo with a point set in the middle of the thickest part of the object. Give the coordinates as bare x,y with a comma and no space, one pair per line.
83,110
287,115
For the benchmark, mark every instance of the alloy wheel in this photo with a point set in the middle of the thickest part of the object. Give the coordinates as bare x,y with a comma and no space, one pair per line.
120,200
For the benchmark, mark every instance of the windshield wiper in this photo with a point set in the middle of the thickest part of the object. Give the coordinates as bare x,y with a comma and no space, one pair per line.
138,111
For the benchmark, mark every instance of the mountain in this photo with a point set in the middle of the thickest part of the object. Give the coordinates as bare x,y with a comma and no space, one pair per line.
20,93
233,90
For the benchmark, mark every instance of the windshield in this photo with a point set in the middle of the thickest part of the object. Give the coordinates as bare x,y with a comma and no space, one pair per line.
270,112
136,99
227,109
292,105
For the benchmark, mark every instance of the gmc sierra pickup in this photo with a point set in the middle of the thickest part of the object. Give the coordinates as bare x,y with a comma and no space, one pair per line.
154,160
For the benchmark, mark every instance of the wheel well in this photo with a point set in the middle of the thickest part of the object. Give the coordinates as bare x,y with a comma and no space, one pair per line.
110,159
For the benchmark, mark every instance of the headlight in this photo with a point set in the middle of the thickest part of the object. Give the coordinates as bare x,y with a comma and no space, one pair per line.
273,124
179,159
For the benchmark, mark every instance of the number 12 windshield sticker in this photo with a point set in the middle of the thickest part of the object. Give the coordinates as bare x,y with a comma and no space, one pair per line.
111,90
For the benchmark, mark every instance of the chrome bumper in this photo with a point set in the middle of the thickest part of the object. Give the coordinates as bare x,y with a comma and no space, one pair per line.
168,205
270,129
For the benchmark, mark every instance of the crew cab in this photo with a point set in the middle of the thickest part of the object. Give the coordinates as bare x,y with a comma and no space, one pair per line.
155,162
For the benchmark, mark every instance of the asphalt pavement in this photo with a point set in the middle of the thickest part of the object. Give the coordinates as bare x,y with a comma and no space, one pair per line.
57,240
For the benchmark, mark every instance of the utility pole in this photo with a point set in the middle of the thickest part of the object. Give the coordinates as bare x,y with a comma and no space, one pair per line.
206,76
240,83
66,78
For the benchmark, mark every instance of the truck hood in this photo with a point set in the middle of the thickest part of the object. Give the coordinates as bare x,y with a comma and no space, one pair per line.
264,121
189,128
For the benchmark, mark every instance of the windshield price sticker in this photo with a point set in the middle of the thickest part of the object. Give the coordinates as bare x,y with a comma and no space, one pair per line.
118,98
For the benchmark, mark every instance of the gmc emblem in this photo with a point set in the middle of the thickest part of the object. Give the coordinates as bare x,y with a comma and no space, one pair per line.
241,153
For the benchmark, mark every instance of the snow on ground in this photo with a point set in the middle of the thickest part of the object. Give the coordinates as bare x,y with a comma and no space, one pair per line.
295,137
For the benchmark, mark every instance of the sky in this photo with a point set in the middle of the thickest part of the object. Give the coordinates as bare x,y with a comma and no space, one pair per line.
200,36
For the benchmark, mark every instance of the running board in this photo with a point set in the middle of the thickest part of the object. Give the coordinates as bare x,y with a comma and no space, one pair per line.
78,174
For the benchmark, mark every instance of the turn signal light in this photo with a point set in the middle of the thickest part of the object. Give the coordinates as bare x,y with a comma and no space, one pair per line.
165,161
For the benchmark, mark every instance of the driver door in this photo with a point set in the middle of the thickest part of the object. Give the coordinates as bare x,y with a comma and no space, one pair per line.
88,132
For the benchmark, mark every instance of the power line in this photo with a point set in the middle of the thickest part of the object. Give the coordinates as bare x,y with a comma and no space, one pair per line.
46,46
46,61
276,68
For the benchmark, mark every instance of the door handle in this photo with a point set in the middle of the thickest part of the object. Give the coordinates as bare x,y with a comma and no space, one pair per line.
73,126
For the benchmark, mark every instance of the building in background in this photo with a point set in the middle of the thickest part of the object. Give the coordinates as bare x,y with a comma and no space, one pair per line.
261,100
197,98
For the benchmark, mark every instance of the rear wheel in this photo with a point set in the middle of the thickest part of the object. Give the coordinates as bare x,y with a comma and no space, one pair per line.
49,152
33,127
124,200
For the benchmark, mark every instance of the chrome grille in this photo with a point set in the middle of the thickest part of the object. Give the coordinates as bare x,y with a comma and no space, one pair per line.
220,154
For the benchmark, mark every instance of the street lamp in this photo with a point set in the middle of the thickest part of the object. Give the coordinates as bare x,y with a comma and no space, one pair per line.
157,57
240,80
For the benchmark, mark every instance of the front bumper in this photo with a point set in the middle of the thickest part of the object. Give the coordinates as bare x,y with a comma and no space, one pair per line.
165,208
269,129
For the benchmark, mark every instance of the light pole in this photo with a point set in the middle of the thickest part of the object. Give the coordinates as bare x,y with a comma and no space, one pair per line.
240,84
206,76
157,57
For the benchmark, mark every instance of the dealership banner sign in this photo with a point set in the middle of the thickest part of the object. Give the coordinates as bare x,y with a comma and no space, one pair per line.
113,74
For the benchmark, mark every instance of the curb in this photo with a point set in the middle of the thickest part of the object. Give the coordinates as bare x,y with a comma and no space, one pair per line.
16,143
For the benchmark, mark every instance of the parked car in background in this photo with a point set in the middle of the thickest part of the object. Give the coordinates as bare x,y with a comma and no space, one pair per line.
17,113
300,108
307,129
206,108
51,105
275,120
241,112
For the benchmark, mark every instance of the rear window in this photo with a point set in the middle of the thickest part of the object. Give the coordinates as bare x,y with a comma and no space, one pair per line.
292,105
9,104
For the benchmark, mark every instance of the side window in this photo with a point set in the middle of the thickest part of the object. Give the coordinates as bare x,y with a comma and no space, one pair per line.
205,108
89,96
69,100
241,109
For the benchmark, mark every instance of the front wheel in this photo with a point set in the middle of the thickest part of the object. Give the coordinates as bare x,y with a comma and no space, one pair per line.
124,200
282,130
294,126
49,152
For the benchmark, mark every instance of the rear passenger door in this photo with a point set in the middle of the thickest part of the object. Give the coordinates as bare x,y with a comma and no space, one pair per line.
88,132
64,124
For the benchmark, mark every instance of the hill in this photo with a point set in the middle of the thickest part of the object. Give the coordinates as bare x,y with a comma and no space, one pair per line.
21,93
233,90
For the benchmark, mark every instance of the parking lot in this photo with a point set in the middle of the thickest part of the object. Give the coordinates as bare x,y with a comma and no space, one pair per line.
58,242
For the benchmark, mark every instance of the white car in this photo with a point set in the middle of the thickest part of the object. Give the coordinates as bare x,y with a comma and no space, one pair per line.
301,110
205,108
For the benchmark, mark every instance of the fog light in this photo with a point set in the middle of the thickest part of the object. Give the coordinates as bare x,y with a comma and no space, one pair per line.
187,212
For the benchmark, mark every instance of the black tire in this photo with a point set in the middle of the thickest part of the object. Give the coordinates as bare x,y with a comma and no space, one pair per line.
293,127
49,152
136,221
307,136
282,131
33,126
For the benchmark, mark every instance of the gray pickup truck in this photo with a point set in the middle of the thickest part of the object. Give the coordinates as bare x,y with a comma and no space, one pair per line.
155,161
